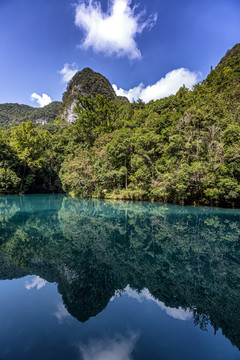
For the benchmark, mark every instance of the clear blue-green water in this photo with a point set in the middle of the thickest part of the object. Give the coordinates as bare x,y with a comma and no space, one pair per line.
105,280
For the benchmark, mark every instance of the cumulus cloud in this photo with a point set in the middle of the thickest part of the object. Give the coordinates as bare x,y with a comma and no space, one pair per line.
116,348
168,85
176,313
37,282
41,100
68,71
113,32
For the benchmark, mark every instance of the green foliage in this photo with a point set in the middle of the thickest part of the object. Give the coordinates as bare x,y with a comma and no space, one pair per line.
77,175
94,116
183,149
12,114
27,160
9,182
30,144
86,83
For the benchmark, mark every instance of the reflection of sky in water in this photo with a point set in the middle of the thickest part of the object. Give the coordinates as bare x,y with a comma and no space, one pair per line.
116,348
47,324
178,313
37,282
135,326
61,313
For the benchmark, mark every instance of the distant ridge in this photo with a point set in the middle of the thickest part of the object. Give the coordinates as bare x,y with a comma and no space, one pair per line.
13,113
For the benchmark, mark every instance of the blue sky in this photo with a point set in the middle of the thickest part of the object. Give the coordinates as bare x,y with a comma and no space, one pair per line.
146,48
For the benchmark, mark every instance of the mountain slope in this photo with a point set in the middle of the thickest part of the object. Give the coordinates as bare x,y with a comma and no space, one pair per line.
12,114
84,83
183,149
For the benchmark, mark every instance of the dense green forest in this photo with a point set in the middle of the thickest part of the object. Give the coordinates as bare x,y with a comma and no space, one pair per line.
183,149
13,114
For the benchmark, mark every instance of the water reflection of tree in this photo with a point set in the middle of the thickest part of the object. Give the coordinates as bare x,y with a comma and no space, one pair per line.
186,257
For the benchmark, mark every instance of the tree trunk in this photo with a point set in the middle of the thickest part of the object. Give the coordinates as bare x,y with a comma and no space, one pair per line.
23,176
126,175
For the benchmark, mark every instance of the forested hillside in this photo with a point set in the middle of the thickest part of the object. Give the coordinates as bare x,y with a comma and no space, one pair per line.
182,149
12,114
84,83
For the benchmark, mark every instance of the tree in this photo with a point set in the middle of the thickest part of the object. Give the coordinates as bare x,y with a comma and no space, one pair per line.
30,146
95,116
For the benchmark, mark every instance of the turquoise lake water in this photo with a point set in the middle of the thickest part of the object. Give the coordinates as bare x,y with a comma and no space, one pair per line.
107,280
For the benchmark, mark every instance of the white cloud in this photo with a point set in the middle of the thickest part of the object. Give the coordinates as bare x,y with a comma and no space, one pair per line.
132,94
113,32
176,313
37,282
42,100
68,71
116,348
168,85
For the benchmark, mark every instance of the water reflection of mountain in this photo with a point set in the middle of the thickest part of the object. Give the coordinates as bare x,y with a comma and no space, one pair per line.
186,257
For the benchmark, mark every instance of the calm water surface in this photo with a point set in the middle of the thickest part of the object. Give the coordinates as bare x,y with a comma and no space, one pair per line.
105,280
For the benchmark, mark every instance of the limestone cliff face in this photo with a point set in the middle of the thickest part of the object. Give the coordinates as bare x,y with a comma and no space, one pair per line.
85,82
